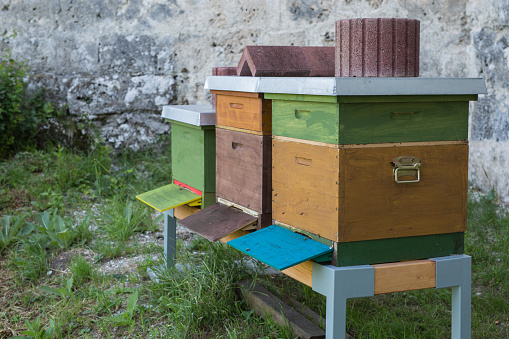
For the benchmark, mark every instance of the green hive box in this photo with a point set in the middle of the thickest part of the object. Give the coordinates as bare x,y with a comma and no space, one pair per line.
193,147
345,120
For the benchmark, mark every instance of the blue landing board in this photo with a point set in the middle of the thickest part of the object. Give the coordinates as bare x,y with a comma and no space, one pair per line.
279,248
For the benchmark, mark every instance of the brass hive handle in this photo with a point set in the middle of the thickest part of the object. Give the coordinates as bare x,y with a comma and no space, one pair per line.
406,165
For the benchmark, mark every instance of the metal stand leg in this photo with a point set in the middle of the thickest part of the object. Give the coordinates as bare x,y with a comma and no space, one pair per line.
455,272
170,238
339,284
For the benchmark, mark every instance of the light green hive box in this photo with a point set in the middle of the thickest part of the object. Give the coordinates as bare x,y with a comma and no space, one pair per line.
193,147
347,120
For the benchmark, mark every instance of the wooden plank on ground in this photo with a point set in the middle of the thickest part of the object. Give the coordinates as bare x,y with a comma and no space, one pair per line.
168,197
279,248
265,303
217,221
405,276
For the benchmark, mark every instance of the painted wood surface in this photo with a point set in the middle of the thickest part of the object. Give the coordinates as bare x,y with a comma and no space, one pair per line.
349,194
404,276
243,169
302,272
244,112
192,189
301,97
370,98
404,98
398,249
391,249
305,180
193,159
208,198
245,130
377,119
315,121
239,94
234,235
365,123
183,211
217,221
279,247
373,206
168,197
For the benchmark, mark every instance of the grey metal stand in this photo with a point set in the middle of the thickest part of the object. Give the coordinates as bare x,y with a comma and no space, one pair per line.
341,283
170,238
456,272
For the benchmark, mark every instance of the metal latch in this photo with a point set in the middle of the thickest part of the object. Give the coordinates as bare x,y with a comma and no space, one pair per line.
406,166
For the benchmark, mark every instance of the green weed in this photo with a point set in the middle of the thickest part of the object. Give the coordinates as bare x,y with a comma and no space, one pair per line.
83,234
149,222
10,233
126,318
121,219
32,261
36,331
21,113
56,228
65,293
82,270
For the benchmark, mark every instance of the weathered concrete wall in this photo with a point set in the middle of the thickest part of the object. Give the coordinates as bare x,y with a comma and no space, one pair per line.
120,60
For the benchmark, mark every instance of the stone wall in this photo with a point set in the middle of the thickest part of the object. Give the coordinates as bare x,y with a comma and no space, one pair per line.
119,61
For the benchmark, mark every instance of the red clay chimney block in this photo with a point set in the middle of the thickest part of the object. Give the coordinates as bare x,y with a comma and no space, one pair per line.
273,61
320,60
383,47
226,71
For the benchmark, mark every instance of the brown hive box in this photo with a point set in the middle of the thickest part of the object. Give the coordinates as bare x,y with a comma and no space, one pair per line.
348,193
243,170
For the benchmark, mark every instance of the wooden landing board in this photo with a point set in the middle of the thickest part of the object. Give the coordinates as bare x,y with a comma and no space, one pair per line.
405,276
217,221
279,247
168,197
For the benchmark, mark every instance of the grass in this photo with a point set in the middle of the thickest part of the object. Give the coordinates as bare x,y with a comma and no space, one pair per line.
200,301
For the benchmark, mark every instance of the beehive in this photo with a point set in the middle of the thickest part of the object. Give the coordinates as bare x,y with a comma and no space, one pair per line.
193,159
334,149
243,156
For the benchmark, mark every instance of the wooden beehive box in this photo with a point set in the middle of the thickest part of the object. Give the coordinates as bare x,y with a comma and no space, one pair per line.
193,148
243,173
334,173
249,112
243,156
347,120
349,193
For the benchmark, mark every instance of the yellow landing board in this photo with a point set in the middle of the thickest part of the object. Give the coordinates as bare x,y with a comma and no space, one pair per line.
168,197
